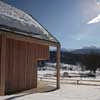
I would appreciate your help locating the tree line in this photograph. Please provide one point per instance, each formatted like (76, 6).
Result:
(91, 61)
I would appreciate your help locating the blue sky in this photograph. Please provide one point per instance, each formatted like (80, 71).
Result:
(71, 21)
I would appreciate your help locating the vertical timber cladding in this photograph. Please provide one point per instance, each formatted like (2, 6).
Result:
(21, 64)
(0, 61)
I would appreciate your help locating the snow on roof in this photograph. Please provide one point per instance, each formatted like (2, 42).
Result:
(17, 20)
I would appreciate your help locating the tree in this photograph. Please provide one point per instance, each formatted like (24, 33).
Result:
(91, 61)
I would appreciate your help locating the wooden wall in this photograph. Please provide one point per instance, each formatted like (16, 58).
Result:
(21, 64)
(0, 61)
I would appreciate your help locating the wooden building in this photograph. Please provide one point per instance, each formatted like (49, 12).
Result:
(23, 41)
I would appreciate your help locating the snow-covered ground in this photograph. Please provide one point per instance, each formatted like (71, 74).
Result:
(49, 75)
(66, 92)
(52, 73)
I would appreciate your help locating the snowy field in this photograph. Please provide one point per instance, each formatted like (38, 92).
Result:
(52, 73)
(49, 75)
(66, 92)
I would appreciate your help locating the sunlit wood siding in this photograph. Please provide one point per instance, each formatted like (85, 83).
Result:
(21, 64)
(0, 61)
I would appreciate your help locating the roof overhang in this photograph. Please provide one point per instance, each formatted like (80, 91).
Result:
(27, 38)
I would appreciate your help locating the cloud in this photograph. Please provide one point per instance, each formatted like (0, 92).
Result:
(98, 2)
(94, 20)
(79, 37)
(96, 11)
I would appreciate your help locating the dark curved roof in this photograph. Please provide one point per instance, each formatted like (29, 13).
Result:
(13, 19)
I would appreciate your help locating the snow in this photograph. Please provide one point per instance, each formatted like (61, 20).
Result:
(75, 72)
(71, 73)
(66, 92)
(50, 76)
(18, 19)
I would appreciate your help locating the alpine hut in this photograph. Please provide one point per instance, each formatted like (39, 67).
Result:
(23, 42)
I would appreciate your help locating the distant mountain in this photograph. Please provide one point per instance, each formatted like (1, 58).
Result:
(86, 50)
(73, 56)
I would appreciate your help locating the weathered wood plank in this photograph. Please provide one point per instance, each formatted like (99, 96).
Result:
(3, 64)
(58, 66)
(21, 63)
(31, 39)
